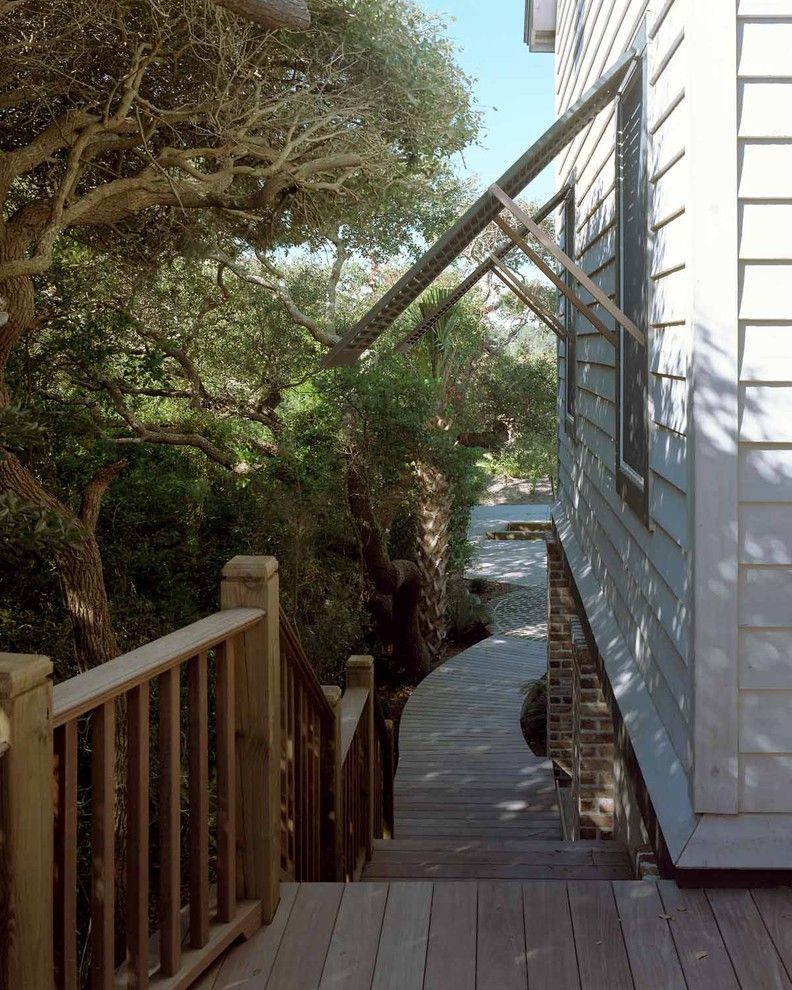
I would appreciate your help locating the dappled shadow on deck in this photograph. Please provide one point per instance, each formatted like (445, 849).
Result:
(464, 768)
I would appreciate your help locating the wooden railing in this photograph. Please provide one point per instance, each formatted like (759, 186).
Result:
(89, 706)
(191, 775)
(307, 727)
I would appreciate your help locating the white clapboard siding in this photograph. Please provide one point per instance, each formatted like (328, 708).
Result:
(670, 397)
(764, 48)
(764, 290)
(669, 194)
(763, 8)
(669, 300)
(765, 782)
(766, 353)
(766, 474)
(766, 413)
(766, 170)
(669, 246)
(669, 458)
(766, 659)
(765, 594)
(765, 109)
(765, 725)
(766, 231)
(766, 534)
(644, 572)
(669, 350)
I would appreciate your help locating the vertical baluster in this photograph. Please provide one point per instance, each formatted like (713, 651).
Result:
(137, 865)
(292, 780)
(304, 757)
(315, 814)
(226, 782)
(198, 763)
(102, 846)
(170, 821)
(65, 895)
(284, 764)
(299, 818)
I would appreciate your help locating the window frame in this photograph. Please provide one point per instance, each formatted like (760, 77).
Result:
(633, 489)
(569, 207)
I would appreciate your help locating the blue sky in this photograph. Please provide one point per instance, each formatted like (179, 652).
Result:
(514, 88)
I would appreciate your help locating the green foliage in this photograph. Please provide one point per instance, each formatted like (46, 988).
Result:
(206, 378)
(27, 529)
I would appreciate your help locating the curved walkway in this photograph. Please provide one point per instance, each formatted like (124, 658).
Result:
(471, 799)
(464, 767)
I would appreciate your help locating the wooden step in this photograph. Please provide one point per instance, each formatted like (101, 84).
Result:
(493, 858)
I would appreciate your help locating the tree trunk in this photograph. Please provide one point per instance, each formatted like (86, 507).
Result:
(80, 568)
(433, 513)
(271, 13)
(398, 580)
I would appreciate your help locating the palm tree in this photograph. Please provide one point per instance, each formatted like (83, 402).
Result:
(433, 507)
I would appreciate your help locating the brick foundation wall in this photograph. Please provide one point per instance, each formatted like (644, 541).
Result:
(560, 613)
(592, 744)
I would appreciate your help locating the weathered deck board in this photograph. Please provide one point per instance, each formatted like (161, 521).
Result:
(703, 955)
(353, 950)
(451, 954)
(747, 941)
(401, 959)
(491, 934)
(551, 956)
(500, 954)
(644, 923)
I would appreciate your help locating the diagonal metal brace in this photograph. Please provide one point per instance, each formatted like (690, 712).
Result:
(557, 281)
(574, 270)
(518, 287)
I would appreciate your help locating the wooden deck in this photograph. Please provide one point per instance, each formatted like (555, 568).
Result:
(540, 935)
(472, 801)
(479, 892)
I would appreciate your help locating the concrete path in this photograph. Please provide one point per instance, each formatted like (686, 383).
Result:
(518, 562)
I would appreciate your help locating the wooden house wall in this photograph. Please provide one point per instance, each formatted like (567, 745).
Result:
(644, 573)
(764, 121)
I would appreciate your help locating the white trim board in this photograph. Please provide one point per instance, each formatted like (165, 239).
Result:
(713, 427)
(739, 842)
(664, 776)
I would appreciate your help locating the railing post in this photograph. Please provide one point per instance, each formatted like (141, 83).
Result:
(26, 822)
(252, 582)
(332, 865)
(360, 673)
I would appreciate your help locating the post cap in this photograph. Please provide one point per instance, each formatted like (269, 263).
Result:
(332, 693)
(244, 568)
(360, 663)
(19, 672)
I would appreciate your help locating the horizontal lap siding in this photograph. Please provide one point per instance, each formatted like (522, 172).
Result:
(643, 574)
(765, 424)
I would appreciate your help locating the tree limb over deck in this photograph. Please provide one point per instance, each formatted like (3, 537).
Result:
(271, 13)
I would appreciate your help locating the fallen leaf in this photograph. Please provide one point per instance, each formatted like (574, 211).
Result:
(701, 955)
(681, 909)
(666, 917)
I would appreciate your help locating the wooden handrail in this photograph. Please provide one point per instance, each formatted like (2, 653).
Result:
(353, 705)
(295, 654)
(81, 694)
(296, 781)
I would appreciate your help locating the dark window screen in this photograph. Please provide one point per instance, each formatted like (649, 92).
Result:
(633, 213)
(568, 246)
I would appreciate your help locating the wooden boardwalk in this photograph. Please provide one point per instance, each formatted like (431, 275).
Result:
(538, 935)
(472, 801)
(478, 891)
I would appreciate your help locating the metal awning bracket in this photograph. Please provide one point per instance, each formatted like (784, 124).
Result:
(574, 270)
(557, 281)
(518, 287)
